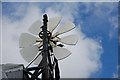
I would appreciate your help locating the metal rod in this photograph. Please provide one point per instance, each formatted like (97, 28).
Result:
(45, 74)
(44, 62)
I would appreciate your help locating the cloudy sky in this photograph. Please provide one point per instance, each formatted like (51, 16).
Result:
(96, 53)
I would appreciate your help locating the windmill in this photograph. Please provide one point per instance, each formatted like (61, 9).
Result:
(44, 48)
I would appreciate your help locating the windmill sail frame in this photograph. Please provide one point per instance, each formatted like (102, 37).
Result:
(44, 48)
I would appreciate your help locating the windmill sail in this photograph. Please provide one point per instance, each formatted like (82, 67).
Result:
(53, 23)
(35, 27)
(31, 44)
(26, 40)
(61, 53)
(65, 28)
(69, 40)
(29, 53)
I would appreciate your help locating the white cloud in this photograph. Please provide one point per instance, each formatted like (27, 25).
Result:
(115, 74)
(11, 32)
(105, 12)
(85, 58)
(114, 21)
(67, 11)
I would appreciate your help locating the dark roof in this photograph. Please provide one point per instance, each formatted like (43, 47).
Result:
(11, 70)
(10, 66)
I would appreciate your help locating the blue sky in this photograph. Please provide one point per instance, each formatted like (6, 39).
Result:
(98, 21)
(99, 26)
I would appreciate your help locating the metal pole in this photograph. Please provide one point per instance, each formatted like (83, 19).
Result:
(44, 62)
(45, 74)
